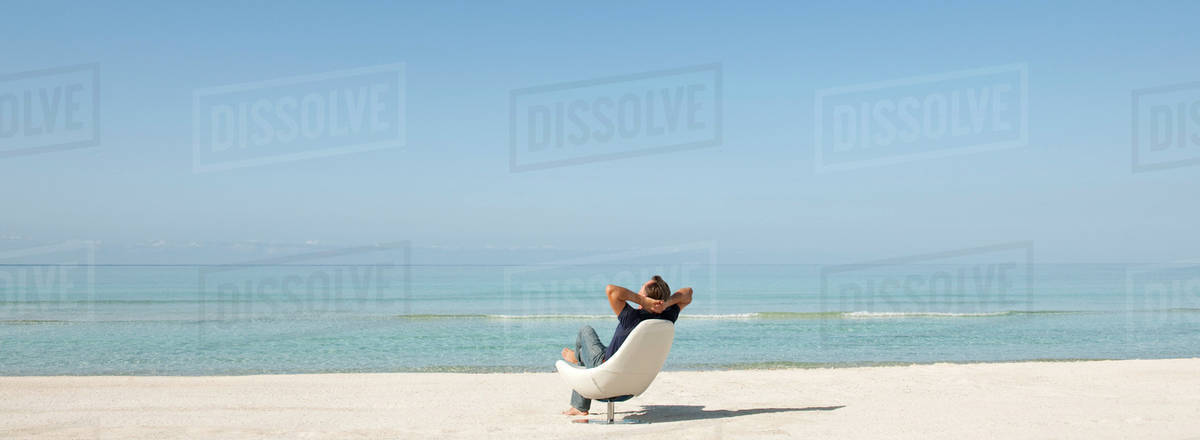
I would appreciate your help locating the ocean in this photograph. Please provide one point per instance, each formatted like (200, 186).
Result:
(295, 318)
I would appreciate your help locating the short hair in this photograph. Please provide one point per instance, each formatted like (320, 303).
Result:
(658, 289)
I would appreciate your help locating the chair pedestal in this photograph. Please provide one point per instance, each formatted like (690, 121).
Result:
(610, 420)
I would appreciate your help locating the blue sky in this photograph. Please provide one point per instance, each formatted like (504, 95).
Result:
(756, 194)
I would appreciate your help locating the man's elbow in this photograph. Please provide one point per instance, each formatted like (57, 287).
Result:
(610, 290)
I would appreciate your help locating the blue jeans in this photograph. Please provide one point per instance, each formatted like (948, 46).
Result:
(589, 351)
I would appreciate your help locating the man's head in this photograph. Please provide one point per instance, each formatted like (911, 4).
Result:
(656, 288)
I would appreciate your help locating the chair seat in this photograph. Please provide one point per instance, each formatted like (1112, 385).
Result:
(630, 370)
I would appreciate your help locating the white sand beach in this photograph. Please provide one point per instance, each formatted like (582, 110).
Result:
(1101, 399)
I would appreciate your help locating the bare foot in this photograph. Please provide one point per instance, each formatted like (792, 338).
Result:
(574, 412)
(569, 356)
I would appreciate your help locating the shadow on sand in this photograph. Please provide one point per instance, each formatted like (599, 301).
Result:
(678, 413)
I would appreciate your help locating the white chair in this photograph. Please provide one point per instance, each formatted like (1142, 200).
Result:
(630, 370)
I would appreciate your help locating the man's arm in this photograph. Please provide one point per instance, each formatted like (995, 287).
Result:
(617, 296)
(682, 297)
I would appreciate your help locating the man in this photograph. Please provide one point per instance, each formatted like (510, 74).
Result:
(654, 301)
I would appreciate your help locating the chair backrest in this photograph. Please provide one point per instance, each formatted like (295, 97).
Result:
(634, 366)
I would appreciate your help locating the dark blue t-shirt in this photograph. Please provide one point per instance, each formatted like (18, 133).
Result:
(630, 318)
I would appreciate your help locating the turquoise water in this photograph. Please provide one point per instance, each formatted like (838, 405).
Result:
(207, 320)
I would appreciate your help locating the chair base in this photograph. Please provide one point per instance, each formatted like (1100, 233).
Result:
(607, 422)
